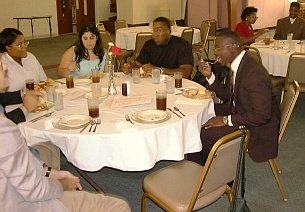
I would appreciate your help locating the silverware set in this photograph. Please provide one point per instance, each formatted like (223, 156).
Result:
(174, 112)
(92, 123)
(128, 119)
(41, 117)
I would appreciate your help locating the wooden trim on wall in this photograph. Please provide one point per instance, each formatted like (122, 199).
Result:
(232, 5)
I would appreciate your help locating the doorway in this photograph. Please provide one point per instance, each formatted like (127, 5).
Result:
(74, 13)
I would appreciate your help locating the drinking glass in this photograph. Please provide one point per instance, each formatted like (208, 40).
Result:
(58, 99)
(155, 75)
(178, 79)
(93, 107)
(170, 84)
(69, 81)
(161, 98)
(50, 89)
(96, 89)
(136, 76)
(29, 84)
(95, 75)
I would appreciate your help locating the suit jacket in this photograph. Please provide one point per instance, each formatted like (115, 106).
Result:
(255, 108)
(11, 98)
(283, 27)
(23, 186)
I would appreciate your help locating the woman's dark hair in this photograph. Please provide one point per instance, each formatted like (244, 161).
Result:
(80, 51)
(247, 11)
(163, 20)
(7, 37)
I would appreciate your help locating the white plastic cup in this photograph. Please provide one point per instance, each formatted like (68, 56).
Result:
(170, 84)
(58, 98)
(136, 76)
(155, 75)
(50, 89)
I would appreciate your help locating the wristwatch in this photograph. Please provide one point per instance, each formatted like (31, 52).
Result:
(225, 120)
(161, 70)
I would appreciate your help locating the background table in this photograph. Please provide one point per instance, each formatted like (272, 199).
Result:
(128, 151)
(31, 18)
(276, 61)
(126, 37)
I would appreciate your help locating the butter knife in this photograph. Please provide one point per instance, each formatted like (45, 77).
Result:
(41, 117)
(174, 112)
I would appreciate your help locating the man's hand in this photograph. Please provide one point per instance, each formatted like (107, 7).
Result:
(205, 69)
(126, 68)
(214, 122)
(147, 68)
(30, 99)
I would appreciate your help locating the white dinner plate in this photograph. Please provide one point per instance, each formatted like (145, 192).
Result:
(74, 120)
(152, 115)
(82, 81)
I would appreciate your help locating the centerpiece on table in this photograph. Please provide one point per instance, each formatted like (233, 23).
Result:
(113, 51)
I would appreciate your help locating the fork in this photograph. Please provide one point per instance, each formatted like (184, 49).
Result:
(98, 121)
(128, 119)
(92, 123)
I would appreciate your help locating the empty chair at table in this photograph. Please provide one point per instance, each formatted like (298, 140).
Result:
(188, 34)
(120, 23)
(141, 39)
(199, 48)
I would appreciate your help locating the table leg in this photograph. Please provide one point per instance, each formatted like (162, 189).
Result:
(32, 27)
(18, 23)
(50, 26)
(90, 181)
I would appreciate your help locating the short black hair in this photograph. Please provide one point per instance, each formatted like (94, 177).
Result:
(295, 4)
(233, 36)
(247, 11)
(163, 20)
(7, 37)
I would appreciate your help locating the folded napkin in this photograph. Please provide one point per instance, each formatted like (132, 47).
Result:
(126, 126)
(187, 101)
(48, 124)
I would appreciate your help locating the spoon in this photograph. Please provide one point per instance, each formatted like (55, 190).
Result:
(98, 121)
(177, 109)
(92, 123)
(41, 117)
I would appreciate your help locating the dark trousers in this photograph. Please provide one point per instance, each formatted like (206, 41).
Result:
(210, 136)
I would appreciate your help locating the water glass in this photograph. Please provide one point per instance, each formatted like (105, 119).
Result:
(170, 84)
(289, 37)
(58, 99)
(155, 75)
(302, 46)
(50, 89)
(93, 107)
(136, 75)
(178, 79)
(291, 46)
(161, 99)
(276, 45)
(96, 89)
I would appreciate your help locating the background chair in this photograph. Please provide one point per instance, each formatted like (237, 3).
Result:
(275, 80)
(100, 26)
(120, 23)
(295, 71)
(172, 22)
(199, 48)
(106, 38)
(187, 34)
(286, 108)
(187, 186)
(212, 33)
(141, 38)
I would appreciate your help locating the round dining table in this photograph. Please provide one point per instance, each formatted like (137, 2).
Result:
(276, 61)
(126, 37)
(110, 146)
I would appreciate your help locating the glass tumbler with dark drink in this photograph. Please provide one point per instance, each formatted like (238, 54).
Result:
(178, 79)
(93, 107)
(29, 84)
(161, 99)
(95, 75)
(69, 81)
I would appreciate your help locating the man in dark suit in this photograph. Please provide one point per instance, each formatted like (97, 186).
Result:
(291, 24)
(247, 102)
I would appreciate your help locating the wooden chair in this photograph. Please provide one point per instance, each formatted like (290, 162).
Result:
(187, 34)
(141, 38)
(276, 80)
(187, 186)
(212, 33)
(120, 23)
(106, 38)
(295, 71)
(199, 48)
(286, 108)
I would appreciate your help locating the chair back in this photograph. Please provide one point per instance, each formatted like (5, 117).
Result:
(120, 23)
(220, 167)
(287, 105)
(187, 34)
(141, 38)
(213, 28)
(106, 38)
(295, 70)
(204, 32)
(100, 26)
(254, 53)
(172, 22)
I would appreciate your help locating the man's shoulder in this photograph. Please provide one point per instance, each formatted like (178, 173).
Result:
(179, 41)
(281, 20)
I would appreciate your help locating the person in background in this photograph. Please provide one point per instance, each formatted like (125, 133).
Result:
(245, 29)
(291, 24)
(27, 184)
(87, 53)
(248, 102)
(170, 53)
(21, 64)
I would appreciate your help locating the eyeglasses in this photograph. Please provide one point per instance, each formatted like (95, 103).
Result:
(221, 47)
(21, 45)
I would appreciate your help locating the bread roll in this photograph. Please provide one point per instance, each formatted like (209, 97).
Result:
(193, 92)
(202, 91)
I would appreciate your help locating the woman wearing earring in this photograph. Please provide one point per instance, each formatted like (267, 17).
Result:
(87, 53)
(245, 29)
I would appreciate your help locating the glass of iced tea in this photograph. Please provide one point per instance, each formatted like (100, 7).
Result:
(29, 84)
(178, 79)
(95, 75)
(93, 106)
(161, 98)
(69, 81)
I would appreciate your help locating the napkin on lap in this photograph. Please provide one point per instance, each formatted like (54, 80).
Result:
(187, 101)
(126, 126)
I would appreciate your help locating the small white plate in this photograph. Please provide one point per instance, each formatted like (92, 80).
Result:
(74, 120)
(152, 115)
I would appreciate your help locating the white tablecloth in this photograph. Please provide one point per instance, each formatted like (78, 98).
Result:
(126, 37)
(132, 151)
(276, 61)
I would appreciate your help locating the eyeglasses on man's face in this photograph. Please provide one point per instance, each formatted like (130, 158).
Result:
(21, 45)
(221, 47)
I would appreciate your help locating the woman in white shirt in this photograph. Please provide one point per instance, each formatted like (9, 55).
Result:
(21, 64)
